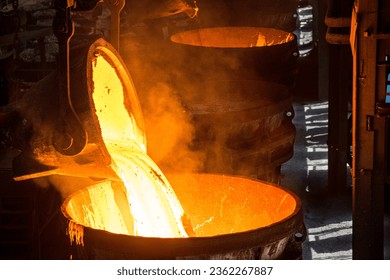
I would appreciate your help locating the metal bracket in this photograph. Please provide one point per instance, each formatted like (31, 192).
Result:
(376, 36)
(382, 110)
(70, 137)
(115, 7)
(370, 123)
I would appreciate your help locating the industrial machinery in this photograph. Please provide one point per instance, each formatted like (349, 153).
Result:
(57, 163)
(358, 33)
(81, 133)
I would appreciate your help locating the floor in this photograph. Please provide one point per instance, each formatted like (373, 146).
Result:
(328, 218)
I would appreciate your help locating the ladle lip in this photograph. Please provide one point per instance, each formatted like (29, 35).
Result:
(203, 245)
(131, 100)
(200, 37)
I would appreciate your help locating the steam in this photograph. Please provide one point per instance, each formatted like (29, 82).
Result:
(177, 90)
(169, 84)
(169, 131)
(203, 100)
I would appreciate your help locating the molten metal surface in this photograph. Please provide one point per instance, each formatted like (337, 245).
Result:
(153, 204)
(233, 37)
(105, 207)
(215, 204)
(221, 204)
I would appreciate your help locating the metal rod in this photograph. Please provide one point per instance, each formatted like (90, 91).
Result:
(115, 7)
(70, 137)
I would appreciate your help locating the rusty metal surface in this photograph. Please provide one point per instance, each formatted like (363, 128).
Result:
(338, 20)
(272, 251)
(259, 136)
(242, 82)
(368, 138)
(338, 13)
(251, 245)
(231, 53)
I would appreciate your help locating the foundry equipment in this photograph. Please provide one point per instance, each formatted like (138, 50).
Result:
(96, 130)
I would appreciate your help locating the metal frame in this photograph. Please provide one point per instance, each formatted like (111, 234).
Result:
(369, 133)
(70, 138)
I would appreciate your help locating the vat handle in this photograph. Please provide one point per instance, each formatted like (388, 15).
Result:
(70, 137)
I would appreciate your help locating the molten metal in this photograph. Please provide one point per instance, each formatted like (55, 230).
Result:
(153, 204)
(233, 218)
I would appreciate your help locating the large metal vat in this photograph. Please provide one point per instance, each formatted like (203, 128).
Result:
(235, 53)
(232, 217)
(244, 127)
(236, 84)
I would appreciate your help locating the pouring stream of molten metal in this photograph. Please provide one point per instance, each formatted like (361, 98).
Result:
(153, 204)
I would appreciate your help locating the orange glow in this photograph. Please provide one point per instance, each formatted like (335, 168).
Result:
(216, 204)
(231, 204)
(233, 37)
(201, 205)
(154, 207)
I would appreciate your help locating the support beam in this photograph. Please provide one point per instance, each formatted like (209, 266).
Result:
(340, 71)
(368, 139)
(338, 20)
